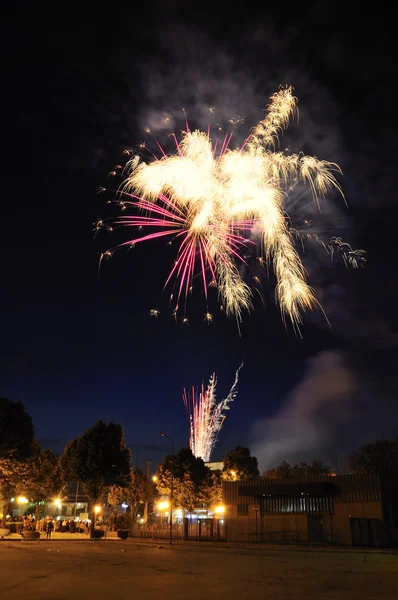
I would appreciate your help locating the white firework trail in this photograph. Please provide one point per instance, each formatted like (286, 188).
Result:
(206, 415)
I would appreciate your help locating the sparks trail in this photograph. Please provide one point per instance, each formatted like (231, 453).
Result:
(206, 415)
(216, 204)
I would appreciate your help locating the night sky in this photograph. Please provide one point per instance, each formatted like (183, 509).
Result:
(76, 345)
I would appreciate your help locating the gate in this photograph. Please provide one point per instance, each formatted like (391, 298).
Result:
(315, 532)
(205, 530)
(363, 532)
(199, 530)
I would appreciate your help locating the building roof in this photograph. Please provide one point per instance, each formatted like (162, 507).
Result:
(320, 488)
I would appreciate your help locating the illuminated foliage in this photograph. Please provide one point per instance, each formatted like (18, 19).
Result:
(192, 480)
(239, 464)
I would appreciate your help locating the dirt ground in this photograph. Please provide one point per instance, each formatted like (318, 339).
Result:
(119, 570)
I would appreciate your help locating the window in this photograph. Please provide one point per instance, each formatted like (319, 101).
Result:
(305, 503)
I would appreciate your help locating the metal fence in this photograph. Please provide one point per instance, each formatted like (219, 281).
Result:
(252, 531)
(200, 530)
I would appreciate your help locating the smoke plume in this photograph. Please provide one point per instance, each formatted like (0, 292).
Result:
(307, 420)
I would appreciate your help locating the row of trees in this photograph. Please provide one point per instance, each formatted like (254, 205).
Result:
(100, 460)
(287, 471)
(379, 457)
(194, 484)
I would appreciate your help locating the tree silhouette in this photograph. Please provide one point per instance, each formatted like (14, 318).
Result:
(239, 464)
(99, 459)
(16, 446)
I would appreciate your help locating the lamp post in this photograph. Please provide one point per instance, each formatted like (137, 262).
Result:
(256, 511)
(162, 507)
(22, 500)
(172, 485)
(97, 510)
(77, 493)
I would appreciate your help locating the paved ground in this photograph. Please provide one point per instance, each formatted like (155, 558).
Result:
(119, 570)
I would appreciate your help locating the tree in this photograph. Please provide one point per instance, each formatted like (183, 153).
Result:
(215, 495)
(16, 430)
(140, 490)
(16, 445)
(239, 464)
(116, 495)
(302, 469)
(99, 459)
(379, 457)
(12, 473)
(284, 471)
(187, 494)
(137, 490)
(43, 479)
(192, 480)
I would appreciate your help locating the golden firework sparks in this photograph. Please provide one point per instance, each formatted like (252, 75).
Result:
(212, 202)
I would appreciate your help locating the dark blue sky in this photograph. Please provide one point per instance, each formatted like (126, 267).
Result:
(76, 347)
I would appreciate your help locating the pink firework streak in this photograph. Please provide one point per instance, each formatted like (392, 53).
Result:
(206, 416)
(213, 202)
(202, 252)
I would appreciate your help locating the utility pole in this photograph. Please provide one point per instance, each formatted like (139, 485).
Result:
(172, 485)
(148, 471)
(77, 493)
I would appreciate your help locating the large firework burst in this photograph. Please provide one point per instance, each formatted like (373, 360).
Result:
(217, 202)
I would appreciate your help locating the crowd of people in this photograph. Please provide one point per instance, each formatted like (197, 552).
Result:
(63, 526)
(48, 525)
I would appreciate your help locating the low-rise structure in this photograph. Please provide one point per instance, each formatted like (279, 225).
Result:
(342, 510)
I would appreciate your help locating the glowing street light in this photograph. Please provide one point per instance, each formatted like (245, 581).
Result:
(155, 478)
(57, 502)
(22, 500)
(162, 507)
(219, 510)
(97, 509)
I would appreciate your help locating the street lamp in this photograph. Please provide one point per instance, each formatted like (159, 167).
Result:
(97, 510)
(22, 500)
(163, 506)
(172, 484)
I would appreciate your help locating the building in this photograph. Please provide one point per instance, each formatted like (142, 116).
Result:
(341, 510)
(215, 466)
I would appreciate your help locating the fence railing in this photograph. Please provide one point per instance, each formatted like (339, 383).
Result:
(201, 530)
(270, 537)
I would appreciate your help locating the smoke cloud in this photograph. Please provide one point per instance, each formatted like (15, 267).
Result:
(200, 72)
(309, 417)
(347, 396)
